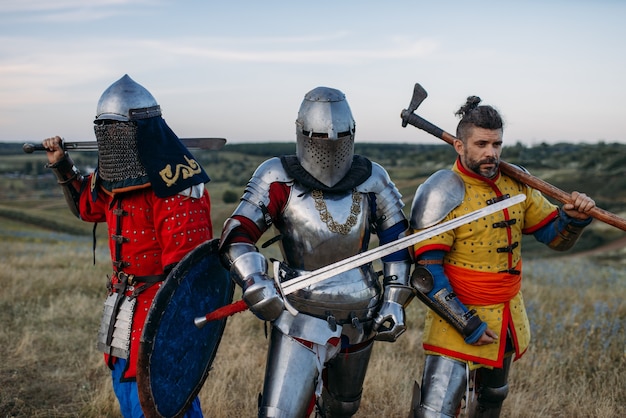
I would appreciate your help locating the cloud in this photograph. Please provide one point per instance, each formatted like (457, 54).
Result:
(28, 6)
(67, 11)
(196, 48)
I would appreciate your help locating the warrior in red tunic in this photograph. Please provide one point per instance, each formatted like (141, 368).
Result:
(150, 191)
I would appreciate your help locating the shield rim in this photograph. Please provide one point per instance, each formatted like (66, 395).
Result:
(157, 309)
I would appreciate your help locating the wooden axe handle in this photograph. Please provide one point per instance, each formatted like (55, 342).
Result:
(517, 173)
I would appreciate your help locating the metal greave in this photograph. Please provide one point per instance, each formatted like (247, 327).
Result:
(343, 383)
(491, 388)
(443, 385)
(290, 378)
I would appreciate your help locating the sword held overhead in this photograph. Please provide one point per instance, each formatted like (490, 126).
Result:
(191, 143)
(358, 260)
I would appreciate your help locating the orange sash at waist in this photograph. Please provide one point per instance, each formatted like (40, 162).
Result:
(479, 288)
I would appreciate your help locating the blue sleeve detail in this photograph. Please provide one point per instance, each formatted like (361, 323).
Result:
(548, 232)
(390, 235)
(440, 280)
(475, 336)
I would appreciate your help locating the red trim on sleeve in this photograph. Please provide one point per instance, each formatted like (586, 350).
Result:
(432, 247)
(541, 224)
(249, 232)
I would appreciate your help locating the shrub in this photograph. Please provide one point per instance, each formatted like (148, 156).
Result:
(230, 196)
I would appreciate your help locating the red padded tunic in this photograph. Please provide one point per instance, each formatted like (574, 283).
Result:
(157, 232)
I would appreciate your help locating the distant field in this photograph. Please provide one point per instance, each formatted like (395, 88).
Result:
(599, 170)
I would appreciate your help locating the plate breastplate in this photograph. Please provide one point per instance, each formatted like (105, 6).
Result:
(308, 244)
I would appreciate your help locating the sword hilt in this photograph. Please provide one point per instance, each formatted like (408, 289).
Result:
(221, 313)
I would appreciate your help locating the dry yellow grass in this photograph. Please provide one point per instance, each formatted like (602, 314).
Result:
(52, 297)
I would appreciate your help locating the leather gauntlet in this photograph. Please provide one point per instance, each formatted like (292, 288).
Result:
(69, 177)
(445, 303)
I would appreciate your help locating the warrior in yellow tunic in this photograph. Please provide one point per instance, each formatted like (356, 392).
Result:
(483, 264)
(471, 276)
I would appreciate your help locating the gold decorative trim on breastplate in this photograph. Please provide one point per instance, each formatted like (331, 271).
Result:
(327, 218)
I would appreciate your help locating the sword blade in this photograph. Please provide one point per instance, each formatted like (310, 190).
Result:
(349, 263)
(191, 143)
(358, 260)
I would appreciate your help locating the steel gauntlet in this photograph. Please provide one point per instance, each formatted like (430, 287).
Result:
(390, 321)
(249, 271)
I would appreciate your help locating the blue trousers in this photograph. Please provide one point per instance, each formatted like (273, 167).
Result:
(126, 393)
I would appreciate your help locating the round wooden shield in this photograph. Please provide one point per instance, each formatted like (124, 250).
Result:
(175, 356)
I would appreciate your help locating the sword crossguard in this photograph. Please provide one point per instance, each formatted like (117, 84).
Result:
(288, 306)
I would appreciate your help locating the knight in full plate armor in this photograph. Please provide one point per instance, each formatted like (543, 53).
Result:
(149, 190)
(325, 202)
(470, 277)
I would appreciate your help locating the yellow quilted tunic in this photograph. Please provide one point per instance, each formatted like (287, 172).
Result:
(483, 264)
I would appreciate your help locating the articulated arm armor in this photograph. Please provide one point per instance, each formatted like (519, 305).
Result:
(397, 294)
(390, 224)
(433, 200)
(567, 232)
(440, 298)
(70, 179)
(248, 268)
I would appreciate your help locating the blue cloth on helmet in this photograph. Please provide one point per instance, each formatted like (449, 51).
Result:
(169, 164)
(128, 398)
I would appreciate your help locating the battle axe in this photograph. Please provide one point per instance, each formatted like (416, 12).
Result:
(410, 118)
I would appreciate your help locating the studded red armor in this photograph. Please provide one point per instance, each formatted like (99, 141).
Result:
(147, 236)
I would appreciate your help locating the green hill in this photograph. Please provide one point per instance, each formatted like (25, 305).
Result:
(29, 193)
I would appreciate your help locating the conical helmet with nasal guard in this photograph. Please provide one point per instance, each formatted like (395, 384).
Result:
(126, 100)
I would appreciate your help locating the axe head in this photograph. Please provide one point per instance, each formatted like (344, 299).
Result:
(419, 94)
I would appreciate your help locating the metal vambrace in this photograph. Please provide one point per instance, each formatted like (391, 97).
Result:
(446, 304)
(249, 271)
(397, 294)
(70, 179)
(567, 237)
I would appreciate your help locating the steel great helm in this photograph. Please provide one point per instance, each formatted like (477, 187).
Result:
(122, 103)
(325, 135)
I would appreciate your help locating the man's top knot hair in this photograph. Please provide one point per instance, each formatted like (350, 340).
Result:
(473, 115)
(471, 104)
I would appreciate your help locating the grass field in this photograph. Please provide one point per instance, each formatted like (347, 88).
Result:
(52, 297)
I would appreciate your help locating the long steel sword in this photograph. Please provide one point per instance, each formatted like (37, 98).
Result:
(331, 270)
(191, 143)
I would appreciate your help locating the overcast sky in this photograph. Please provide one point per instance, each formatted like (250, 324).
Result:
(239, 69)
